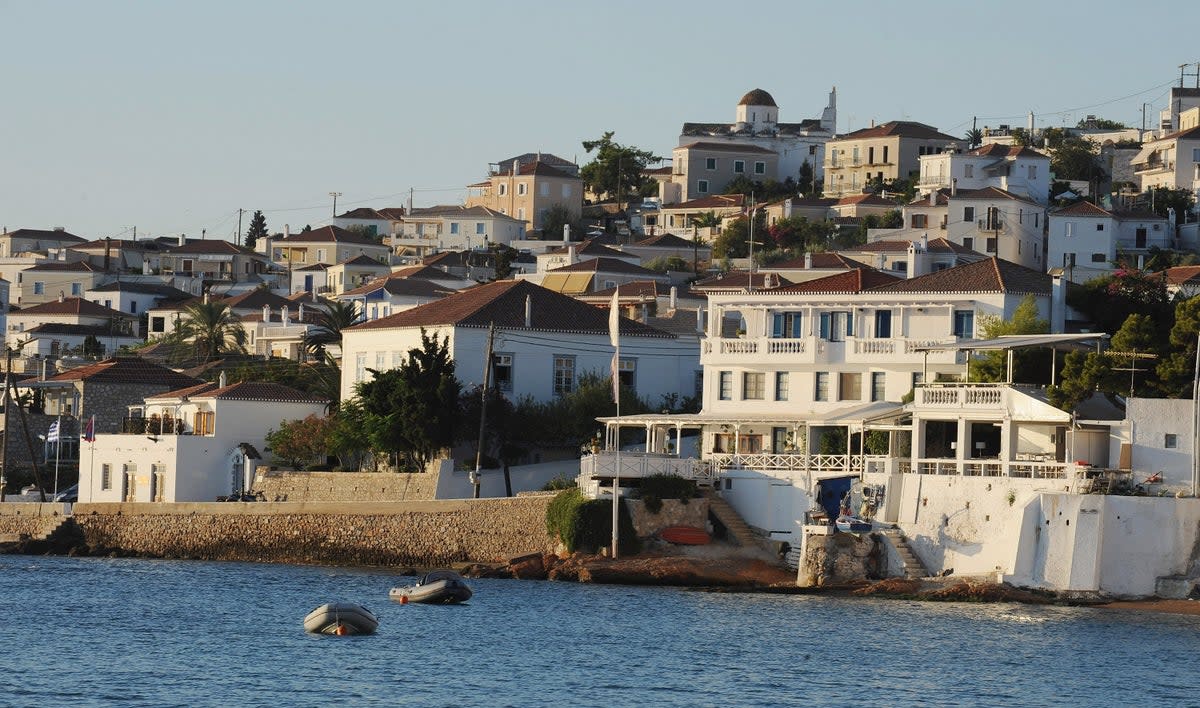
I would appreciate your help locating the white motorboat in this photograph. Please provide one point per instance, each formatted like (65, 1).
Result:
(341, 618)
(438, 587)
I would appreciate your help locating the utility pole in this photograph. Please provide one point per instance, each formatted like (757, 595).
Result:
(239, 238)
(750, 279)
(12, 391)
(487, 380)
(335, 195)
(4, 440)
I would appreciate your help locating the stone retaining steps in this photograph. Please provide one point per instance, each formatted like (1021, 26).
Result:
(913, 567)
(732, 521)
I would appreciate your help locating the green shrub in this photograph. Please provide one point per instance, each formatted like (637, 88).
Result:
(559, 483)
(586, 524)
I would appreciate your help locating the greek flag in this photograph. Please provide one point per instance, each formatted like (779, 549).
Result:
(52, 434)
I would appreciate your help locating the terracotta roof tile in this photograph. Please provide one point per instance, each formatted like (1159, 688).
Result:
(757, 97)
(126, 370)
(62, 266)
(211, 246)
(604, 265)
(727, 147)
(739, 280)
(824, 260)
(258, 391)
(667, 240)
(902, 128)
(72, 306)
(852, 281)
(327, 234)
(503, 303)
(715, 201)
(992, 275)
(45, 234)
(991, 193)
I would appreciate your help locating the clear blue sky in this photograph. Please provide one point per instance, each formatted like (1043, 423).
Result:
(172, 115)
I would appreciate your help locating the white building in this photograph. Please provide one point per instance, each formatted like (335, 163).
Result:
(1020, 170)
(1087, 240)
(998, 223)
(545, 342)
(453, 227)
(189, 445)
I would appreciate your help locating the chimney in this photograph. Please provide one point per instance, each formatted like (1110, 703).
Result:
(566, 233)
(221, 381)
(62, 297)
(700, 320)
(808, 260)
(570, 255)
(107, 253)
(645, 312)
(954, 186)
(300, 313)
(266, 313)
(287, 230)
(516, 167)
(205, 298)
(1058, 302)
(528, 311)
(674, 297)
(933, 198)
(182, 239)
(283, 315)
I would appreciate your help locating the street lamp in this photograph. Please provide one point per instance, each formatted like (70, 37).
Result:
(335, 195)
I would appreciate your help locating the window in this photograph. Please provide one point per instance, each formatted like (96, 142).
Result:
(752, 386)
(1099, 258)
(1100, 227)
(878, 385)
(969, 242)
(1170, 441)
(725, 383)
(521, 213)
(503, 190)
(397, 356)
(320, 255)
(76, 289)
(812, 150)
(158, 324)
(380, 361)
(885, 152)
(702, 186)
(133, 306)
(836, 326)
(968, 214)
(128, 475)
(870, 156)
(564, 375)
(919, 221)
(850, 386)
(627, 373)
(202, 423)
(918, 378)
(39, 288)
(781, 385)
(566, 191)
(544, 189)
(883, 324)
(522, 189)
(992, 243)
(739, 166)
(479, 228)
(710, 163)
(453, 227)
(821, 389)
(1032, 171)
(787, 325)
(698, 383)
(968, 171)
(760, 168)
(360, 367)
(964, 324)
(502, 371)
(106, 476)
(1070, 228)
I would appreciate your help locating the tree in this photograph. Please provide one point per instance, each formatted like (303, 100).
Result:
(1176, 370)
(1090, 123)
(734, 240)
(504, 256)
(804, 179)
(212, 329)
(413, 410)
(1109, 300)
(1076, 158)
(1028, 366)
(555, 218)
(974, 138)
(797, 233)
(257, 230)
(92, 347)
(616, 168)
(370, 233)
(1164, 199)
(329, 320)
(300, 442)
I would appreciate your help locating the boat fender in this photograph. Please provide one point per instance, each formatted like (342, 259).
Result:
(342, 630)
(404, 599)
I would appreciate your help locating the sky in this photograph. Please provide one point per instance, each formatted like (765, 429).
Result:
(170, 116)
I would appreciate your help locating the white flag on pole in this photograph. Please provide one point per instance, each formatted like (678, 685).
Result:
(52, 434)
(614, 334)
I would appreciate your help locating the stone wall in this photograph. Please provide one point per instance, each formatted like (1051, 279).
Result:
(29, 518)
(289, 486)
(673, 513)
(428, 533)
(110, 402)
(838, 558)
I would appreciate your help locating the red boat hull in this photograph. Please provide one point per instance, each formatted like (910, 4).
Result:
(685, 535)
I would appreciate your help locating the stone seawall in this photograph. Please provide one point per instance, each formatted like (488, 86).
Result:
(32, 519)
(425, 533)
(289, 486)
(673, 513)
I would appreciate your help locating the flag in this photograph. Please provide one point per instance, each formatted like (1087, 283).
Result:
(89, 431)
(52, 434)
(614, 319)
(616, 380)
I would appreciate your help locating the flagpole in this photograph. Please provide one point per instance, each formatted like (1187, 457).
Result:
(614, 334)
(92, 462)
(57, 451)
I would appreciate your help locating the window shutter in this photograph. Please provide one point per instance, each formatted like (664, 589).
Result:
(824, 325)
(777, 325)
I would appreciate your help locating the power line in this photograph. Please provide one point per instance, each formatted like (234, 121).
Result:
(1067, 110)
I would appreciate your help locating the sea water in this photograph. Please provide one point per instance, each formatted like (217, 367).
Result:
(106, 632)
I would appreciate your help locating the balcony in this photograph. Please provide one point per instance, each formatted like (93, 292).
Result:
(814, 350)
(1154, 166)
(603, 465)
(960, 396)
(153, 425)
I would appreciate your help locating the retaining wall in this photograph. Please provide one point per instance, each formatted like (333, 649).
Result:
(30, 518)
(424, 533)
(289, 486)
(673, 513)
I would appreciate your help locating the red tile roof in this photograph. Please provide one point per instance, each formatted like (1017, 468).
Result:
(852, 281)
(1181, 275)
(727, 147)
(72, 306)
(503, 303)
(399, 285)
(715, 201)
(866, 200)
(668, 240)
(588, 247)
(992, 275)
(757, 97)
(1082, 208)
(327, 234)
(902, 128)
(739, 280)
(998, 150)
(991, 193)
(44, 234)
(604, 265)
(258, 391)
(62, 266)
(255, 299)
(127, 370)
(213, 246)
(825, 260)
(364, 260)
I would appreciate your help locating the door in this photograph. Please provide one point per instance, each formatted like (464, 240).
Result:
(1139, 238)
(308, 283)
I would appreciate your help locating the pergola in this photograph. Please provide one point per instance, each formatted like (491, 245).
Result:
(1076, 342)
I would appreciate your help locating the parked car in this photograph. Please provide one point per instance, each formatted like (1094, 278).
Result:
(69, 495)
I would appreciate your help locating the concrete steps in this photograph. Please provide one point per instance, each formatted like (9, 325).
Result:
(913, 567)
(731, 520)
(792, 559)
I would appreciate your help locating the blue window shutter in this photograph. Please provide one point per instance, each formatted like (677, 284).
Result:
(777, 325)
(797, 329)
(850, 324)
(824, 325)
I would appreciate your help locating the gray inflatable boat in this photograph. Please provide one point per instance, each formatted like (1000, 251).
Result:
(439, 587)
(341, 618)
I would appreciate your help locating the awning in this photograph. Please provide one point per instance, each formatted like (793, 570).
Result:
(568, 283)
(839, 416)
(1143, 155)
(1021, 341)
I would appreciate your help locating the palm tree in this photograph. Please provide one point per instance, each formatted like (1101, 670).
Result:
(213, 329)
(974, 137)
(330, 318)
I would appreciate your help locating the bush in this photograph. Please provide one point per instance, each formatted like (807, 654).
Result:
(559, 483)
(657, 487)
(586, 524)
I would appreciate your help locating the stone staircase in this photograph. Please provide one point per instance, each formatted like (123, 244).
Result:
(731, 520)
(913, 567)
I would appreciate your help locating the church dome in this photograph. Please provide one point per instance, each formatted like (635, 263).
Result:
(757, 97)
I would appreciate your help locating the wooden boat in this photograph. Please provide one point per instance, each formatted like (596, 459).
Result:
(685, 535)
(438, 587)
(852, 524)
(341, 619)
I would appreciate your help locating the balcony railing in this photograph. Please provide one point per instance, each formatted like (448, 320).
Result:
(153, 425)
(1000, 468)
(963, 396)
(641, 464)
(786, 461)
(1154, 166)
(808, 350)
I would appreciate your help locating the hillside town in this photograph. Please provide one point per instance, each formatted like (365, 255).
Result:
(982, 347)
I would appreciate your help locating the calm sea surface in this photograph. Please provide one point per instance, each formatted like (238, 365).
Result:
(84, 632)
